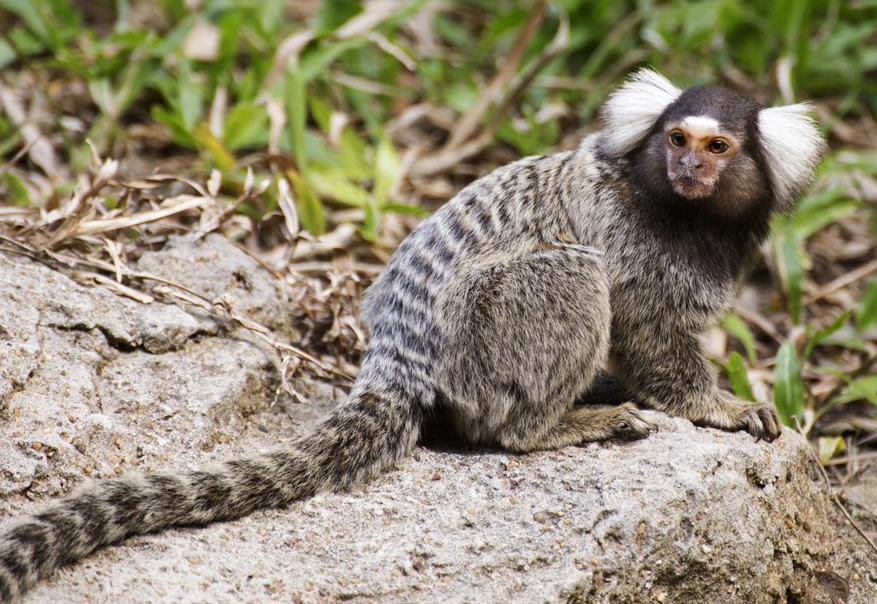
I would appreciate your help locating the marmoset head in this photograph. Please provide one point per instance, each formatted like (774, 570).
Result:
(704, 135)
(711, 147)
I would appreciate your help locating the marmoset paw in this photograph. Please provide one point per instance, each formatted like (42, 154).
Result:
(633, 423)
(759, 419)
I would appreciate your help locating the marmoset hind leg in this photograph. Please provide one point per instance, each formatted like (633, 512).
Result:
(524, 337)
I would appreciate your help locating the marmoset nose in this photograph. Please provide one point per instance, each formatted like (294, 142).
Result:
(692, 160)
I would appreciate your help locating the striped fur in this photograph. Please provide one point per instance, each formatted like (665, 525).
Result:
(498, 310)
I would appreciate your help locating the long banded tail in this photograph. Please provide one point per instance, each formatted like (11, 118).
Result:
(373, 430)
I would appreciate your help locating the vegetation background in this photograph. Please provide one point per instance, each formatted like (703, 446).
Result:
(316, 134)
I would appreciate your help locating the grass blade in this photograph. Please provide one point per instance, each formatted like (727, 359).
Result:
(296, 113)
(866, 313)
(736, 369)
(735, 326)
(788, 386)
(822, 334)
(310, 208)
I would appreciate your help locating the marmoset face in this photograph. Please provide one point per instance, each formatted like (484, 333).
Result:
(705, 150)
(709, 150)
(697, 150)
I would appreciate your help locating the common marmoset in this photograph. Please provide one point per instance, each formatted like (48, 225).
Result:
(501, 307)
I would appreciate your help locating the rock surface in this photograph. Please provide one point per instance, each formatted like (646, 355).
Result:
(93, 384)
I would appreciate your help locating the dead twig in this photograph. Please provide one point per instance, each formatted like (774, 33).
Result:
(39, 149)
(757, 319)
(187, 202)
(264, 334)
(21, 153)
(859, 371)
(222, 308)
(124, 290)
(832, 495)
(468, 123)
(452, 154)
(840, 461)
(843, 281)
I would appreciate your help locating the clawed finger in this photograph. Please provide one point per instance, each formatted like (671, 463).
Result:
(771, 422)
(762, 422)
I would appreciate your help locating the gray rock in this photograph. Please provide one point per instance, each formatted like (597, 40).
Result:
(214, 266)
(95, 384)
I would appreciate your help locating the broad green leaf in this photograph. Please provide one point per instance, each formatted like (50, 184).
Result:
(174, 122)
(170, 41)
(788, 257)
(404, 208)
(230, 41)
(296, 113)
(864, 388)
(8, 143)
(735, 326)
(788, 387)
(310, 210)
(246, 126)
(451, 31)
(822, 334)
(866, 313)
(828, 447)
(820, 200)
(272, 15)
(334, 13)
(115, 95)
(736, 369)
(18, 194)
(101, 92)
(25, 42)
(219, 155)
(847, 337)
(818, 210)
(28, 11)
(808, 223)
(50, 20)
(7, 55)
(321, 111)
(190, 101)
(315, 62)
(318, 152)
(332, 184)
(134, 77)
(353, 153)
(386, 171)
(460, 96)
(372, 221)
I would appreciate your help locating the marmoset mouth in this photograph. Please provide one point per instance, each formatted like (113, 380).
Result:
(691, 188)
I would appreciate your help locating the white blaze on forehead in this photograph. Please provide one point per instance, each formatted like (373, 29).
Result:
(700, 126)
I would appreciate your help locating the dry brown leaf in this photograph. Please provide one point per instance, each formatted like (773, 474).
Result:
(183, 203)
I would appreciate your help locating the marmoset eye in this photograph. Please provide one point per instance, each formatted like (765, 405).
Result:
(718, 147)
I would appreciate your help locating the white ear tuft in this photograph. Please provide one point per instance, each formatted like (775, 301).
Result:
(633, 109)
(793, 146)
